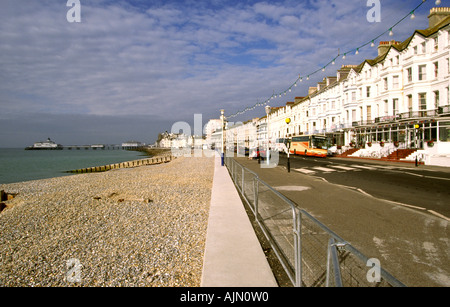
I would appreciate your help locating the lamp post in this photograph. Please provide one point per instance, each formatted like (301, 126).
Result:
(416, 128)
(288, 121)
(222, 146)
(267, 130)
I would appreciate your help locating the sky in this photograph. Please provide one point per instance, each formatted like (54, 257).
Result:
(131, 69)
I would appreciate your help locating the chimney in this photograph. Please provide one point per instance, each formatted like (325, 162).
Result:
(384, 46)
(437, 14)
(312, 90)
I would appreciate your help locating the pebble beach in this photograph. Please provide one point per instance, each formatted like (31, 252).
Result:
(144, 226)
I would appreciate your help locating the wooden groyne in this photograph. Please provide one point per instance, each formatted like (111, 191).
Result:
(5, 196)
(128, 164)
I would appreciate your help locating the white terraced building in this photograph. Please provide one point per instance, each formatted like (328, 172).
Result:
(399, 100)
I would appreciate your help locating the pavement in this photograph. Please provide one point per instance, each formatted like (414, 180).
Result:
(233, 255)
(402, 163)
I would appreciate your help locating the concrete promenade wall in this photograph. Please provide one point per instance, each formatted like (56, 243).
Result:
(233, 254)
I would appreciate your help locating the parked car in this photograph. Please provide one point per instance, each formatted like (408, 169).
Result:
(256, 153)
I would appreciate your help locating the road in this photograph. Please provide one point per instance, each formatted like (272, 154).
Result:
(423, 188)
(394, 212)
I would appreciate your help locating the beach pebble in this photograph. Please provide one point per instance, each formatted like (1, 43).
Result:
(144, 226)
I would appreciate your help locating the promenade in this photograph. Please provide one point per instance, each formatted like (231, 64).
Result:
(233, 255)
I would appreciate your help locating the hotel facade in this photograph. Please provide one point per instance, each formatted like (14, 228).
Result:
(399, 100)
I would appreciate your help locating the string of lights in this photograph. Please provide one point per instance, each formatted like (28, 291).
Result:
(356, 50)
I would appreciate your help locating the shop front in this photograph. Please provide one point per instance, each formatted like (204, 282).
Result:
(423, 134)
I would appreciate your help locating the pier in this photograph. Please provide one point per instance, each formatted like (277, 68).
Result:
(95, 147)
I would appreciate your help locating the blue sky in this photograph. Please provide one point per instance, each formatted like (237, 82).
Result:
(131, 69)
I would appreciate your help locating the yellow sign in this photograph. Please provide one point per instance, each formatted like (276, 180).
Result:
(288, 120)
(416, 126)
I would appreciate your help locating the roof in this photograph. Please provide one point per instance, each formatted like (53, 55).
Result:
(400, 46)
(345, 70)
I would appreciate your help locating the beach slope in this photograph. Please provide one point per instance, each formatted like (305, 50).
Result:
(144, 226)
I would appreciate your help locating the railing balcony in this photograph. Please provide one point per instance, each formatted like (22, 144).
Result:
(440, 111)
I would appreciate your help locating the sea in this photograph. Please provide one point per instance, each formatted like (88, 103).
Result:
(18, 164)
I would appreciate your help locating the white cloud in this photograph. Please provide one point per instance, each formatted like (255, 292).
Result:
(175, 57)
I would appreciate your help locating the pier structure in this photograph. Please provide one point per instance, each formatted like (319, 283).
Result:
(95, 147)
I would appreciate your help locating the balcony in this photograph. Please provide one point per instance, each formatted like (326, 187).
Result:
(440, 111)
(363, 123)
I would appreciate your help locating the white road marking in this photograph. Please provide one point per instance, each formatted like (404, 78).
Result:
(343, 167)
(364, 167)
(384, 167)
(292, 188)
(439, 215)
(324, 169)
(304, 171)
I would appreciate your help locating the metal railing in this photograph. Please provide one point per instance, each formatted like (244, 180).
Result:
(311, 254)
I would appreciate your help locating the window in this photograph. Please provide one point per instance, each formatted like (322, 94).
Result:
(424, 47)
(395, 106)
(448, 95)
(436, 99)
(369, 112)
(410, 103)
(415, 49)
(409, 73)
(386, 106)
(436, 43)
(423, 101)
(436, 69)
(444, 131)
(422, 72)
(396, 83)
(386, 86)
(368, 91)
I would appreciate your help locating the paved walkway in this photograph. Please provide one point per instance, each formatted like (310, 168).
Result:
(233, 254)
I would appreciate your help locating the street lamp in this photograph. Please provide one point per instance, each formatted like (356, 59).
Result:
(416, 128)
(222, 117)
(288, 145)
(267, 130)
